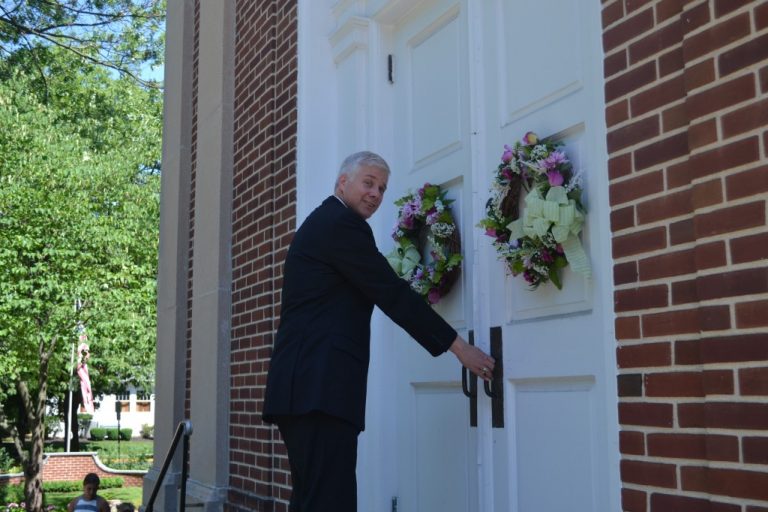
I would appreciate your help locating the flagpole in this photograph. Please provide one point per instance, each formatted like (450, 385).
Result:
(69, 402)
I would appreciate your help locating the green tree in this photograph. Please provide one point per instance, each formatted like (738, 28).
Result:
(119, 34)
(79, 210)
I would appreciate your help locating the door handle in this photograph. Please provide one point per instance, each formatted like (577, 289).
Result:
(488, 387)
(495, 388)
(466, 387)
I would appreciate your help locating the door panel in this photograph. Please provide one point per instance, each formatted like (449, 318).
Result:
(435, 446)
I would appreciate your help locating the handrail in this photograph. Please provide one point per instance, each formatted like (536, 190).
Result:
(183, 431)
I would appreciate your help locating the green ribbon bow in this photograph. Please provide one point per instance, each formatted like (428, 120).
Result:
(558, 213)
(404, 260)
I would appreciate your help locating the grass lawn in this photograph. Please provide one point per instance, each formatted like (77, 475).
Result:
(61, 499)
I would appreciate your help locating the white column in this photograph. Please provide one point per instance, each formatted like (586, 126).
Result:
(211, 286)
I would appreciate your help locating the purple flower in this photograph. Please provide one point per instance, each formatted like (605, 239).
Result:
(530, 138)
(546, 256)
(433, 296)
(507, 174)
(506, 157)
(432, 216)
(554, 159)
(555, 178)
(559, 249)
(529, 277)
(490, 232)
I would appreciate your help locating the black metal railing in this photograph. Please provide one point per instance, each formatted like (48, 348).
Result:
(183, 431)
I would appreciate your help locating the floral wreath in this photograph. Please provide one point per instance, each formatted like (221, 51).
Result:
(426, 215)
(545, 239)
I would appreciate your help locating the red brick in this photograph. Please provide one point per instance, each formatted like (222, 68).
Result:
(681, 232)
(667, 265)
(670, 322)
(640, 298)
(732, 284)
(722, 349)
(620, 166)
(723, 7)
(629, 28)
(627, 328)
(743, 56)
(695, 17)
(700, 74)
(715, 37)
(673, 384)
(624, 273)
(718, 382)
(645, 355)
(633, 500)
(664, 150)
(612, 13)
(630, 81)
(710, 255)
(671, 62)
(721, 96)
(747, 183)
(632, 443)
(674, 117)
(749, 248)
(708, 193)
(724, 415)
(615, 63)
(679, 503)
(622, 218)
(655, 42)
(684, 292)
(753, 381)
(659, 96)
(617, 113)
(667, 9)
(737, 483)
(632, 134)
(694, 446)
(761, 15)
(752, 314)
(714, 318)
(649, 473)
(748, 118)
(730, 219)
(630, 384)
(755, 450)
(702, 134)
(637, 243)
(667, 206)
(764, 76)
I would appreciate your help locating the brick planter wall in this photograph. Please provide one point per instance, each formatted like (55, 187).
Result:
(687, 113)
(264, 218)
(74, 466)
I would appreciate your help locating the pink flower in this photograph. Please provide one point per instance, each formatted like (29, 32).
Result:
(554, 159)
(507, 174)
(555, 178)
(546, 256)
(433, 296)
(490, 232)
(506, 157)
(530, 138)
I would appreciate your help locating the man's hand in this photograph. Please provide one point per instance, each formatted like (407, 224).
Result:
(477, 361)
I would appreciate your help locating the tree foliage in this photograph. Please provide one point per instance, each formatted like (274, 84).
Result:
(119, 34)
(79, 213)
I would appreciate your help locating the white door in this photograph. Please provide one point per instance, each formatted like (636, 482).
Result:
(557, 449)
(436, 448)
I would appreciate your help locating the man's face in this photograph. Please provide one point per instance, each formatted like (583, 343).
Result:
(364, 190)
(89, 491)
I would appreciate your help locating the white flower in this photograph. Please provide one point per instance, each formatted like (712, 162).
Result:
(443, 229)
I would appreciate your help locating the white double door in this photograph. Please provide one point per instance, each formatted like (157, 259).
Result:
(469, 76)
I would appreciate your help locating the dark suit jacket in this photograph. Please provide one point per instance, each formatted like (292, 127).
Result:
(334, 275)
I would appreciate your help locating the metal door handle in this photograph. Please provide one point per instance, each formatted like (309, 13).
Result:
(466, 388)
(487, 386)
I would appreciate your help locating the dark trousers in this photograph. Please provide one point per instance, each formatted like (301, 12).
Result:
(322, 452)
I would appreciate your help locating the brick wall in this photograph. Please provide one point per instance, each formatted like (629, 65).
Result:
(687, 114)
(74, 466)
(264, 219)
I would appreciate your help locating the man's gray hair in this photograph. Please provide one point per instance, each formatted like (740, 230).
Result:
(355, 161)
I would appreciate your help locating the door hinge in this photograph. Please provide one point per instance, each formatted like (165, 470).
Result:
(394, 503)
(390, 69)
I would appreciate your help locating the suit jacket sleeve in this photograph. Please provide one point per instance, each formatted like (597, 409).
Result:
(356, 257)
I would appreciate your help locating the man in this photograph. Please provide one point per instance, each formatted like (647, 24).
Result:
(316, 386)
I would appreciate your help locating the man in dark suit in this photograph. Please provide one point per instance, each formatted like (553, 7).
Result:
(316, 387)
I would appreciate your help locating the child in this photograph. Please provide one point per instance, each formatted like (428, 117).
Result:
(89, 501)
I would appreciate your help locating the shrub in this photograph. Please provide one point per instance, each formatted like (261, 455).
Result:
(52, 426)
(98, 434)
(147, 431)
(84, 422)
(125, 434)
(113, 434)
(6, 461)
